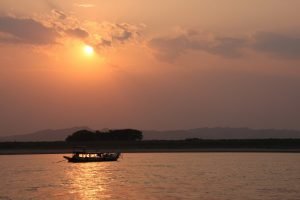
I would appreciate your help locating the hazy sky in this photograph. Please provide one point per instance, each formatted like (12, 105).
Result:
(168, 64)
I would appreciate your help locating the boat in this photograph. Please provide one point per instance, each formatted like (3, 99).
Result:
(80, 156)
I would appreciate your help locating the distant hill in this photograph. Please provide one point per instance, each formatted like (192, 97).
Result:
(203, 133)
(221, 133)
(44, 135)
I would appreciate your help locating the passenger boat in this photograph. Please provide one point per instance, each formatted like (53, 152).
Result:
(92, 156)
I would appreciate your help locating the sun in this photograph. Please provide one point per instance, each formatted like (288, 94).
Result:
(88, 50)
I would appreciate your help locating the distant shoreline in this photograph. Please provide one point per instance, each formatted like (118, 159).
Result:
(154, 146)
(209, 150)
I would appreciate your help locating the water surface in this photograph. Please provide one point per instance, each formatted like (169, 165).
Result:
(207, 176)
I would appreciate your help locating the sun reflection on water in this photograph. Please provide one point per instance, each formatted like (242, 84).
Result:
(89, 180)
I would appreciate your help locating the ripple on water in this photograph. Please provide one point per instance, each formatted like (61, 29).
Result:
(211, 176)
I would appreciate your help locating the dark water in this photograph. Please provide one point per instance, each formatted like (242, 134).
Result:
(207, 176)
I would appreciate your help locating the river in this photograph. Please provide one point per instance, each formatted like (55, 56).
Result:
(163, 176)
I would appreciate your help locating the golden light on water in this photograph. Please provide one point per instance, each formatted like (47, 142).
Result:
(88, 50)
(89, 181)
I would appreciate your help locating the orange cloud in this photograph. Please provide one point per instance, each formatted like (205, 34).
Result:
(169, 48)
(77, 32)
(27, 31)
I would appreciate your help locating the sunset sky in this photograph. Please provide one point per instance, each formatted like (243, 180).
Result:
(168, 64)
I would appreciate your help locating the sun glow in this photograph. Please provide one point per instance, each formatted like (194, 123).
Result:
(88, 50)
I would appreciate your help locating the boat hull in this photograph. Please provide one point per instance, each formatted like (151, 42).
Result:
(92, 159)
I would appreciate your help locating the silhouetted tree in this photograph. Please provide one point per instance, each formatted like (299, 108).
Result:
(111, 135)
(82, 135)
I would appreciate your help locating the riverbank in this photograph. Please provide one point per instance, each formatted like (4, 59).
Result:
(69, 151)
(153, 146)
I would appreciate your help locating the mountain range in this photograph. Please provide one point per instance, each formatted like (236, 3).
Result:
(203, 133)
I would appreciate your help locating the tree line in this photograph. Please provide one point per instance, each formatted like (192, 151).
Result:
(110, 135)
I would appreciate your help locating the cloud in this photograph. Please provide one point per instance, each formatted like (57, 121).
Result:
(77, 32)
(123, 32)
(52, 29)
(105, 43)
(84, 5)
(170, 48)
(114, 34)
(125, 35)
(27, 31)
(59, 14)
(277, 44)
(227, 46)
